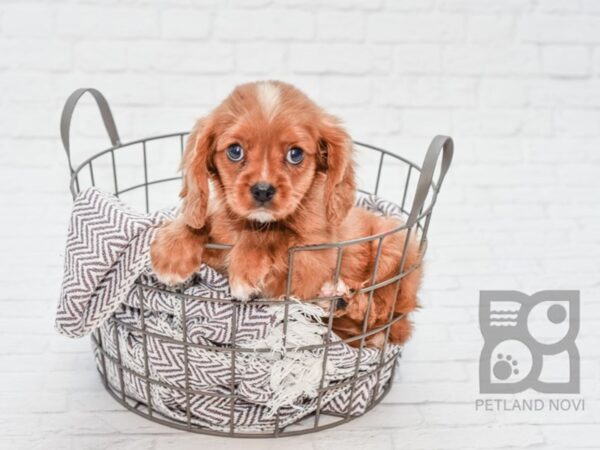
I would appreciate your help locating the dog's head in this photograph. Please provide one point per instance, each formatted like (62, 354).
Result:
(264, 147)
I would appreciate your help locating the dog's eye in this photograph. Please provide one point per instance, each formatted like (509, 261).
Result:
(235, 152)
(295, 155)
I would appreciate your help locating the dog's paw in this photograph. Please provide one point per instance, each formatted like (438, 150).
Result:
(169, 279)
(339, 292)
(330, 289)
(377, 340)
(173, 268)
(175, 254)
(242, 291)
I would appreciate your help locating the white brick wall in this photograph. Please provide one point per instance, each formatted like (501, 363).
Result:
(516, 82)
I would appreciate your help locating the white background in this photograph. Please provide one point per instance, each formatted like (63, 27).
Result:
(515, 82)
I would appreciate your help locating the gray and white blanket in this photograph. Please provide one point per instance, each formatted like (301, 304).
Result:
(109, 288)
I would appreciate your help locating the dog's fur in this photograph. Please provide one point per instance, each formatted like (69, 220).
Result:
(313, 204)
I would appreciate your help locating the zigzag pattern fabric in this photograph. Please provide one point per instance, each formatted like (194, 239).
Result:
(182, 366)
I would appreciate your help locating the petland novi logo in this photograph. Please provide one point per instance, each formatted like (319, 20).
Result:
(529, 343)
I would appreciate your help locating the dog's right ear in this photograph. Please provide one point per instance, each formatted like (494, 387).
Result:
(195, 168)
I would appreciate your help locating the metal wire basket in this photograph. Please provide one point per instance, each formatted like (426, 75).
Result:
(410, 184)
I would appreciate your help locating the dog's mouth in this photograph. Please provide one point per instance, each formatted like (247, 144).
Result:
(262, 215)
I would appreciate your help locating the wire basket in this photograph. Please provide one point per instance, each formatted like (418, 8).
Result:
(112, 169)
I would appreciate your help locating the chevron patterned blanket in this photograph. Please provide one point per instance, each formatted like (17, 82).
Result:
(108, 288)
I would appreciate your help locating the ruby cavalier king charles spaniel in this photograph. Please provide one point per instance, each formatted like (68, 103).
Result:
(268, 170)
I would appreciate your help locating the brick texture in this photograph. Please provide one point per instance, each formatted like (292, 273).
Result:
(515, 82)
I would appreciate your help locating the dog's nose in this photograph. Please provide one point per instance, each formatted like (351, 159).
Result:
(262, 192)
(340, 303)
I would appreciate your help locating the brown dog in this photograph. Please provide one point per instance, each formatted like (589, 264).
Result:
(282, 176)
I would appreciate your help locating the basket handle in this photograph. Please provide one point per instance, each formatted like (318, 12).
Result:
(438, 144)
(67, 115)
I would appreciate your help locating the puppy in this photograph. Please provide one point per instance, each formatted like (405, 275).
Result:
(282, 176)
(279, 173)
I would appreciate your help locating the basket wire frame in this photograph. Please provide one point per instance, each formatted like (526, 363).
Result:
(416, 226)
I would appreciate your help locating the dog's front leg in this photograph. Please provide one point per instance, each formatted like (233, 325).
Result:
(311, 270)
(176, 252)
(247, 267)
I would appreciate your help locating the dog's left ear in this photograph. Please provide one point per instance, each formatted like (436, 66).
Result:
(335, 146)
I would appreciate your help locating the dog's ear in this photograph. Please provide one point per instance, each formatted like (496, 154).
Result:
(195, 167)
(335, 146)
